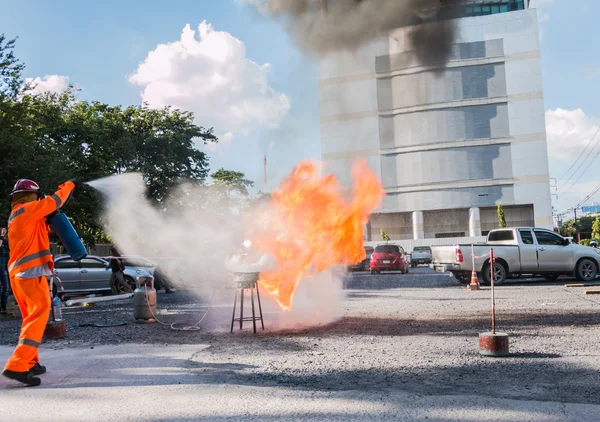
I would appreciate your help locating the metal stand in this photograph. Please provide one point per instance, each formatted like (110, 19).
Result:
(242, 287)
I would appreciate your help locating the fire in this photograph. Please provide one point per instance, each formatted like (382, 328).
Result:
(312, 224)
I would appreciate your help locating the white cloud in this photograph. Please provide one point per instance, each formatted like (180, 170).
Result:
(49, 83)
(569, 132)
(211, 76)
(224, 140)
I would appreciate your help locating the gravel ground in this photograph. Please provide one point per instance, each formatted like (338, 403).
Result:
(415, 333)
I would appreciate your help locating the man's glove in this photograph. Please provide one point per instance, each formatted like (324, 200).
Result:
(77, 182)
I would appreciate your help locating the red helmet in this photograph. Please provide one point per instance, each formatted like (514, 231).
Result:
(25, 185)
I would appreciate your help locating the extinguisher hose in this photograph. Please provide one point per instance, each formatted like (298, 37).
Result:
(195, 327)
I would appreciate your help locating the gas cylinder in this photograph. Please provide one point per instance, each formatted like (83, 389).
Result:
(68, 236)
(144, 299)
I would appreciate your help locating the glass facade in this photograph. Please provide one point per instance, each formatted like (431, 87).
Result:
(481, 9)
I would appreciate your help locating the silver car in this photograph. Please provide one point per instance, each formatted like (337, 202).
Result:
(92, 274)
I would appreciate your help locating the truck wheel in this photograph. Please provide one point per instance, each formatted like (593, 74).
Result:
(499, 274)
(586, 270)
(462, 279)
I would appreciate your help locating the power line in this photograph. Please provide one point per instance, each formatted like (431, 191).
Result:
(584, 171)
(580, 164)
(578, 158)
(587, 198)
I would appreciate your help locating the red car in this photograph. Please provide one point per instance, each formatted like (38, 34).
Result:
(388, 258)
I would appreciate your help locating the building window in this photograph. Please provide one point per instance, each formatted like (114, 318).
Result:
(487, 8)
(447, 235)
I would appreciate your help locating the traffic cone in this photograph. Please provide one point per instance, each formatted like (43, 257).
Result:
(474, 281)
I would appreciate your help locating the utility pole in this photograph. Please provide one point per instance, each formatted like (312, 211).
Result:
(576, 228)
(265, 172)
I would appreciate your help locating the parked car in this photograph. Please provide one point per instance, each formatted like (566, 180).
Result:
(420, 255)
(388, 258)
(364, 264)
(92, 274)
(523, 250)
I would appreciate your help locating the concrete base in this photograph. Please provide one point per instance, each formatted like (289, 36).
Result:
(491, 344)
(592, 292)
(55, 329)
(144, 321)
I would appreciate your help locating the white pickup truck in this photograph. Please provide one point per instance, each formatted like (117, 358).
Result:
(522, 250)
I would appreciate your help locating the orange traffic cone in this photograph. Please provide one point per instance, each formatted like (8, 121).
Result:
(474, 281)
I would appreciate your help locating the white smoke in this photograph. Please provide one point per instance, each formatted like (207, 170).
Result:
(187, 240)
(318, 300)
(198, 246)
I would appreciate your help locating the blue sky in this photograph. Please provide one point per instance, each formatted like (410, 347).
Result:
(99, 46)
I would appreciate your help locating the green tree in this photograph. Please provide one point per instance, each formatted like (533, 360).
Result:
(596, 229)
(501, 218)
(572, 228)
(384, 235)
(231, 183)
(11, 83)
(230, 190)
(164, 142)
(54, 137)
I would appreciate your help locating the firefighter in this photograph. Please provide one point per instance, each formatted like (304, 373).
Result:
(29, 265)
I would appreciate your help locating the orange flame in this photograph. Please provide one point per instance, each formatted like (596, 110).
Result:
(309, 226)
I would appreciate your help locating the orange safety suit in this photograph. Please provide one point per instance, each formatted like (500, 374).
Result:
(30, 248)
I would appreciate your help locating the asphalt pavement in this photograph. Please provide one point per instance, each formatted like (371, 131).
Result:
(405, 348)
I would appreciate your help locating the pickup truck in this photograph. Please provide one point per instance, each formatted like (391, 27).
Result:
(420, 255)
(522, 250)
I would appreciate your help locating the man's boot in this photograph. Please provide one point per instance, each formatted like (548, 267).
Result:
(38, 369)
(24, 377)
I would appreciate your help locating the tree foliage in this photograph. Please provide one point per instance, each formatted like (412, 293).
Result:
(230, 190)
(231, 183)
(596, 229)
(51, 138)
(501, 218)
(384, 235)
(572, 228)
(10, 70)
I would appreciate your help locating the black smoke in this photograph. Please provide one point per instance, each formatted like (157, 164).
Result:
(324, 26)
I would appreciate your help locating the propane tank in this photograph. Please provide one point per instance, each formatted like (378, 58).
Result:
(68, 236)
(144, 300)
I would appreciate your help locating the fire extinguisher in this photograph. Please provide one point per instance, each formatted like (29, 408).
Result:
(67, 235)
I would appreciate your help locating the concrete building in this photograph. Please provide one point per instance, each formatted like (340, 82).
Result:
(448, 144)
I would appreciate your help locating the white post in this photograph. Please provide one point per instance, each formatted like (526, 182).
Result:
(474, 222)
(418, 225)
